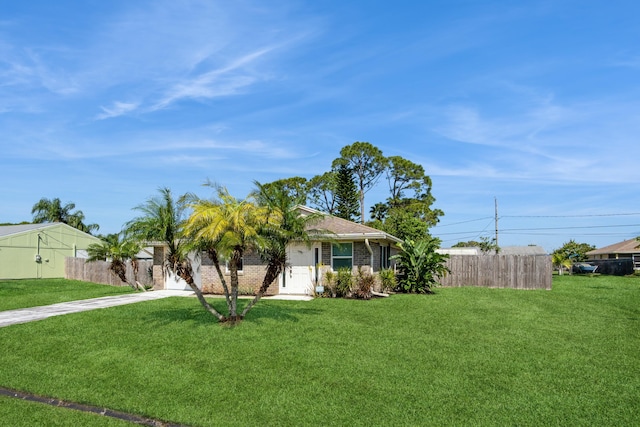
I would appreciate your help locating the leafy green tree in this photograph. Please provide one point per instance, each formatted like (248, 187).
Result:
(408, 212)
(295, 188)
(403, 175)
(322, 192)
(367, 163)
(346, 194)
(53, 210)
(574, 251)
(405, 224)
(486, 244)
(117, 250)
(378, 212)
(410, 219)
(420, 265)
(467, 244)
(226, 227)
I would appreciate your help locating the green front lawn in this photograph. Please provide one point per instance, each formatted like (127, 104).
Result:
(31, 293)
(18, 413)
(465, 356)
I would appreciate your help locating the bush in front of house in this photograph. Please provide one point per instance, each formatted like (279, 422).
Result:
(363, 285)
(388, 280)
(420, 266)
(344, 282)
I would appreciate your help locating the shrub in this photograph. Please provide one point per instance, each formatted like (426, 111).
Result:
(420, 266)
(388, 279)
(363, 285)
(329, 285)
(344, 282)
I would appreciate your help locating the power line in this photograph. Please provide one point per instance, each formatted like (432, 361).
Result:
(569, 228)
(511, 230)
(463, 222)
(571, 216)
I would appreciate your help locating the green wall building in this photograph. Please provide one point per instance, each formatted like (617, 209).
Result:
(37, 251)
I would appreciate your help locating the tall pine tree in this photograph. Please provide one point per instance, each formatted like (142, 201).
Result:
(347, 204)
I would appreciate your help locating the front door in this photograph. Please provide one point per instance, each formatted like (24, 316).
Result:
(300, 274)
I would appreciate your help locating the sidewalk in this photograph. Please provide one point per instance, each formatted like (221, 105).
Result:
(24, 315)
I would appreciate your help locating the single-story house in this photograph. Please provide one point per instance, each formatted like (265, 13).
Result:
(628, 249)
(38, 251)
(344, 244)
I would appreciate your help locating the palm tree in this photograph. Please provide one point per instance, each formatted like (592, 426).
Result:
(560, 260)
(117, 250)
(76, 220)
(162, 221)
(283, 224)
(226, 227)
(46, 210)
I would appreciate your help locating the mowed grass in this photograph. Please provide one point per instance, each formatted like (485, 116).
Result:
(465, 356)
(18, 413)
(31, 293)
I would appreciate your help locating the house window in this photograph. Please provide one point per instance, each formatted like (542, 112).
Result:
(385, 253)
(341, 255)
(240, 266)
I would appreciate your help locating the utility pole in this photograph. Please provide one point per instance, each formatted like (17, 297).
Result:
(496, 206)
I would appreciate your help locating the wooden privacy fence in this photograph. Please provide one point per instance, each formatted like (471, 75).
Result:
(499, 271)
(98, 272)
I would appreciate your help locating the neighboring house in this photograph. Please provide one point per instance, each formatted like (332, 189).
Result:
(342, 244)
(469, 250)
(505, 250)
(628, 249)
(38, 251)
(523, 250)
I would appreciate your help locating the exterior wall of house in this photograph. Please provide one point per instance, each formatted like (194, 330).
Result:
(361, 255)
(249, 279)
(158, 261)
(253, 270)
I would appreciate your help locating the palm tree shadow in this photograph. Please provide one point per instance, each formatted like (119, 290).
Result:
(282, 311)
(290, 311)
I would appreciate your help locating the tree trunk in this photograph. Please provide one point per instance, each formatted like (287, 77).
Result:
(362, 205)
(216, 263)
(236, 256)
(272, 273)
(184, 272)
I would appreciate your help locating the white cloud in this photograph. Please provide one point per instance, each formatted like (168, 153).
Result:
(118, 109)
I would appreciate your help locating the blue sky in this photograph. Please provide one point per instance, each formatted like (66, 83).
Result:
(533, 103)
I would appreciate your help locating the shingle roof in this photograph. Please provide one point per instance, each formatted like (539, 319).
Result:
(344, 229)
(522, 250)
(8, 230)
(626, 247)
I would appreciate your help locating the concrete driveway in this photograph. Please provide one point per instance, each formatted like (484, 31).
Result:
(24, 315)
(31, 314)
